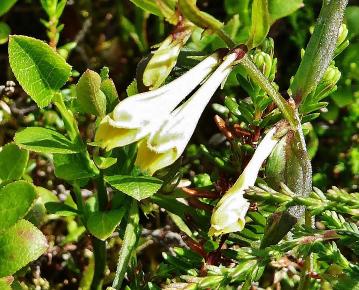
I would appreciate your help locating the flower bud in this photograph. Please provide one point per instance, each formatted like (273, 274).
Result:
(267, 45)
(165, 57)
(265, 63)
(343, 33)
(328, 83)
(89, 95)
(290, 164)
(331, 76)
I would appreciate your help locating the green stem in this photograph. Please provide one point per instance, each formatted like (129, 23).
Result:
(73, 130)
(225, 37)
(308, 263)
(128, 245)
(68, 118)
(99, 248)
(79, 201)
(287, 110)
(102, 196)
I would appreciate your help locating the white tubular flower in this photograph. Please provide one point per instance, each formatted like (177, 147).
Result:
(229, 214)
(138, 115)
(165, 146)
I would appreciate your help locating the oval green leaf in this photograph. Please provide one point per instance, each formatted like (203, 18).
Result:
(103, 224)
(13, 161)
(138, 187)
(44, 140)
(260, 23)
(4, 32)
(16, 200)
(20, 245)
(5, 6)
(38, 68)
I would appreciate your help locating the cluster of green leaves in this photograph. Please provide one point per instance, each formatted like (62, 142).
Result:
(71, 159)
(17, 197)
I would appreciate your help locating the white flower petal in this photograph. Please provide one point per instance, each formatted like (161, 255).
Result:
(229, 214)
(139, 110)
(168, 143)
(138, 115)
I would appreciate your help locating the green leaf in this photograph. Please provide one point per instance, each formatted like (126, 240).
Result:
(139, 187)
(5, 6)
(89, 95)
(132, 88)
(38, 68)
(277, 227)
(279, 8)
(44, 140)
(103, 224)
(19, 245)
(72, 167)
(61, 209)
(352, 19)
(260, 23)
(148, 5)
(16, 200)
(13, 161)
(128, 246)
(6, 282)
(4, 32)
(240, 8)
(104, 162)
(320, 49)
(109, 89)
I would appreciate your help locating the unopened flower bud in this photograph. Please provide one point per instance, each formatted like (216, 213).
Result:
(343, 33)
(89, 95)
(331, 76)
(267, 46)
(165, 57)
(265, 64)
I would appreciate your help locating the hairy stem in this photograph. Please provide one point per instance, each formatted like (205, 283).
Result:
(308, 264)
(287, 110)
(99, 249)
